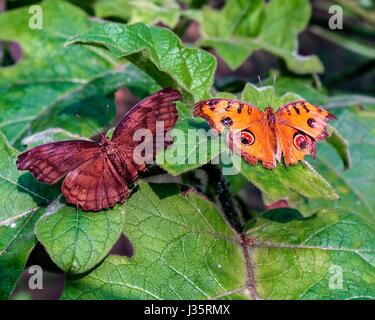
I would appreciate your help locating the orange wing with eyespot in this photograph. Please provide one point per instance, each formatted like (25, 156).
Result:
(305, 117)
(249, 135)
(294, 144)
(299, 124)
(254, 143)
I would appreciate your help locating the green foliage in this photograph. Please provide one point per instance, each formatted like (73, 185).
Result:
(133, 11)
(184, 243)
(242, 27)
(76, 241)
(22, 203)
(149, 48)
(297, 258)
(51, 84)
(183, 250)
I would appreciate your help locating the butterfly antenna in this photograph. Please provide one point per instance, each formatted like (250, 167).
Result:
(273, 89)
(88, 123)
(265, 96)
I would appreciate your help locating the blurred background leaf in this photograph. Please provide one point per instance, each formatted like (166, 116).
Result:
(242, 27)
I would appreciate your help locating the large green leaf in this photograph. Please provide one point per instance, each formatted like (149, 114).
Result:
(17, 239)
(20, 193)
(183, 249)
(242, 27)
(356, 186)
(76, 240)
(192, 147)
(158, 52)
(51, 84)
(133, 11)
(330, 255)
(22, 202)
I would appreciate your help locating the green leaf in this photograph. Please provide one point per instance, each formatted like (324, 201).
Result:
(21, 194)
(351, 100)
(330, 255)
(341, 146)
(243, 27)
(305, 90)
(51, 84)
(158, 52)
(356, 186)
(192, 147)
(76, 240)
(17, 239)
(133, 11)
(280, 181)
(183, 250)
(22, 201)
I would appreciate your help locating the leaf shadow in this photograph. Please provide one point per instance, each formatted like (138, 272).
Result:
(283, 215)
(164, 190)
(42, 194)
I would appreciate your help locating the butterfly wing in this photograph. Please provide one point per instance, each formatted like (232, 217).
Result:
(254, 143)
(249, 135)
(305, 117)
(157, 109)
(95, 185)
(227, 113)
(294, 144)
(300, 124)
(52, 161)
(161, 106)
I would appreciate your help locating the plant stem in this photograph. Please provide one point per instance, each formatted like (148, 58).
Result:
(220, 186)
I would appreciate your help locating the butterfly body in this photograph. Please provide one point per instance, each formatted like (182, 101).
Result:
(97, 175)
(291, 131)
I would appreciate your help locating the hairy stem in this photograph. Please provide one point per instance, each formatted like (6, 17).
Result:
(220, 186)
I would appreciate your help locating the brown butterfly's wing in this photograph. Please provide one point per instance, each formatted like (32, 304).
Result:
(294, 144)
(227, 113)
(249, 135)
(95, 185)
(305, 117)
(160, 106)
(157, 109)
(52, 161)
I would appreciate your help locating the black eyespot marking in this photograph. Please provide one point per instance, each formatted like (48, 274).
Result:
(247, 138)
(311, 122)
(300, 141)
(227, 122)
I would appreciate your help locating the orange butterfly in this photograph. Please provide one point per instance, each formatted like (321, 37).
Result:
(292, 131)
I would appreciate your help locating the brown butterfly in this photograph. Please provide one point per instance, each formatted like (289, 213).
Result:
(292, 131)
(98, 174)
